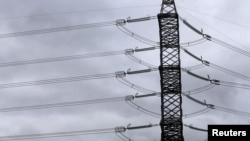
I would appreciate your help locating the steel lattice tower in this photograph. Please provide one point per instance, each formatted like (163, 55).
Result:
(170, 73)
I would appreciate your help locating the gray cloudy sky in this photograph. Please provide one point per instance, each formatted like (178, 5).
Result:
(110, 115)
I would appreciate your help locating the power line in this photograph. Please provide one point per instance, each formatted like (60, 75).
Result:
(157, 115)
(121, 79)
(137, 60)
(211, 106)
(217, 67)
(212, 29)
(197, 113)
(128, 99)
(133, 86)
(151, 113)
(195, 128)
(123, 137)
(215, 17)
(154, 93)
(193, 43)
(154, 43)
(57, 29)
(231, 84)
(63, 58)
(56, 80)
(136, 36)
(195, 67)
(74, 57)
(73, 103)
(75, 11)
(144, 110)
(57, 134)
(217, 41)
(200, 89)
(74, 27)
(219, 82)
(229, 46)
(128, 52)
(71, 79)
(63, 104)
(119, 129)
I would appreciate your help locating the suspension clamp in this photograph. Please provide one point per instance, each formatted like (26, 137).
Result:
(214, 81)
(120, 129)
(208, 37)
(120, 74)
(120, 22)
(210, 106)
(129, 51)
(205, 62)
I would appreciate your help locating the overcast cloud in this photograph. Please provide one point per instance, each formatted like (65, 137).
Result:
(110, 115)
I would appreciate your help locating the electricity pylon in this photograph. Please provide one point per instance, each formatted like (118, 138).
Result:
(170, 73)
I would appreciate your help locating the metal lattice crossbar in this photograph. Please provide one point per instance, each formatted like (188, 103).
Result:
(170, 72)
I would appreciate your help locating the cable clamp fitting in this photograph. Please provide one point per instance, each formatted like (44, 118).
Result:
(129, 98)
(205, 62)
(120, 22)
(120, 129)
(120, 74)
(208, 37)
(211, 106)
(214, 81)
(129, 51)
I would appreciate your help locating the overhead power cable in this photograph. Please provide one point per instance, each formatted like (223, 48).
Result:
(75, 11)
(120, 129)
(154, 93)
(195, 128)
(218, 82)
(151, 42)
(229, 46)
(120, 78)
(229, 38)
(151, 113)
(195, 67)
(215, 17)
(63, 58)
(158, 115)
(128, 99)
(74, 57)
(136, 36)
(57, 29)
(137, 60)
(63, 104)
(57, 134)
(193, 43)
(56, 80)
(74, 27)
(211, 106)
(200, 89)
(217, 67)
(73, 103)
(70, 79)
(217, 41)
(197, 113)
(133, 86)
(141, 109)
(123, 137)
